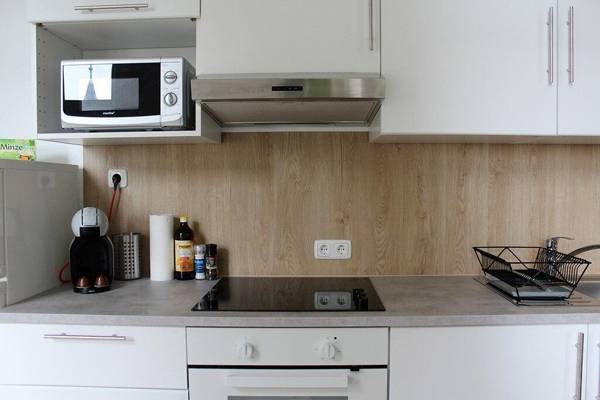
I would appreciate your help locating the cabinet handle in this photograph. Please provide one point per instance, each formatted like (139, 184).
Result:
(64, 336)
(550, 24)
(127, 6)
(371, 34)
(571, 24)
(579, 369)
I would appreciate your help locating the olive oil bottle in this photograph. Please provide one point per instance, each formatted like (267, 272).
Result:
(184, 251)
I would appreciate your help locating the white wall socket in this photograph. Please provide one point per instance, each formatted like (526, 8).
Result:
(333, 249)
(120, 171)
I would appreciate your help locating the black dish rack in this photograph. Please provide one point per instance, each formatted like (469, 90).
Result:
(531, 274)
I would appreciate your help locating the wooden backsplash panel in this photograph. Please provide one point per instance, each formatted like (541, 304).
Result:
(408, 208)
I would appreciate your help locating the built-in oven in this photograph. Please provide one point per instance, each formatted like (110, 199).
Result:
(288, 384)
(288, 363)
(126, 94)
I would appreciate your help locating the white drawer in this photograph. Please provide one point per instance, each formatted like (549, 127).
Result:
(94, 356)
(106, 10)
(288, 346)
(78, 393)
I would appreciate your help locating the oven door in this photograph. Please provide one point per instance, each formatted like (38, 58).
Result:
(110, 94)
(288, 384)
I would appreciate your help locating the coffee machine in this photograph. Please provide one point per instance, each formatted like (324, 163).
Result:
(91, 254)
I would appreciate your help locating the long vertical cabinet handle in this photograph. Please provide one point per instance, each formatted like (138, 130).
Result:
(371, 27)
(579, 369)
(550, 24)
(571, 24)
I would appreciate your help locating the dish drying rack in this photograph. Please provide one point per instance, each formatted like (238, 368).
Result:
(531, 275)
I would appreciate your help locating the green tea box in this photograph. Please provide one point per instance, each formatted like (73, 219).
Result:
(17, 149)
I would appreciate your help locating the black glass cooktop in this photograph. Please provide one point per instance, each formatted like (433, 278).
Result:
(291, 294)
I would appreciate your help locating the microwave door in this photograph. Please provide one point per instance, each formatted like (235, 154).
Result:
(105, 95)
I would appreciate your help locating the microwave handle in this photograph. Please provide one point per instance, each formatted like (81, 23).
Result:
(326, 381)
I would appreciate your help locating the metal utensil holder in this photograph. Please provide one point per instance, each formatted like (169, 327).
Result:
(128, 256)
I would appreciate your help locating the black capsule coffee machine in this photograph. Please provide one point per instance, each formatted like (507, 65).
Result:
(92, 254)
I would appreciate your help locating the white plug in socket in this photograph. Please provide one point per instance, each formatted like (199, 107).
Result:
(119, 171)
(333, 249)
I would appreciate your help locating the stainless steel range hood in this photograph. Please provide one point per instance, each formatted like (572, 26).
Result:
(323, 99)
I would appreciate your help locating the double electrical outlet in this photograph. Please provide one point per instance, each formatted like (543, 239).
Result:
(333, 249)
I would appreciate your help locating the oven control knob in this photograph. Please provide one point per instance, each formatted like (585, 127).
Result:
(245, 351)
(328, 351)
(170, 77)
(170, 99)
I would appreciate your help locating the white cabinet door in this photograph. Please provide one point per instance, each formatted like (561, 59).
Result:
(93, 356)
(491, 363)
(469, 67)
(593, 363)
(78, 393)
(103, 10)
(579, 82)
(38, 203)
(287, 36)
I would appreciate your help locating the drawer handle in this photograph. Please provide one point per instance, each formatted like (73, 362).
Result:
(99, 7)
(64, 336)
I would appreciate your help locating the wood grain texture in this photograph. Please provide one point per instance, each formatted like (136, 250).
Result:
(408, 208)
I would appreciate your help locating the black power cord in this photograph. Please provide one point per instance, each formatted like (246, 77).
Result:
(116, 180)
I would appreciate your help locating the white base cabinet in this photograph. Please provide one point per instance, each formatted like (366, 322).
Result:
(492, 363)
(78, 393)
(592, 391)
(93, 356)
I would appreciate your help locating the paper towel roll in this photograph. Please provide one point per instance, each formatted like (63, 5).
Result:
(162, 247)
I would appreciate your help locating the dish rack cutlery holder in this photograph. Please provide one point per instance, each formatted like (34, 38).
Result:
(520, 267)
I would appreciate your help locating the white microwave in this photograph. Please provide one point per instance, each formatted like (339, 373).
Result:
(127, 94)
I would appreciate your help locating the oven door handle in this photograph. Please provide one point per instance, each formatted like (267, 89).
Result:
(325, 381)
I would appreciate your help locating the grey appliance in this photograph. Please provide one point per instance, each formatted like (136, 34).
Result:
(304, 99)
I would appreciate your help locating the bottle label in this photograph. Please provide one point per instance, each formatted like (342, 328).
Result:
(199, 267)
(184, 256)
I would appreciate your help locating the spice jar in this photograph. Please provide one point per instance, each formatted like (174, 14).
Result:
(212, 271)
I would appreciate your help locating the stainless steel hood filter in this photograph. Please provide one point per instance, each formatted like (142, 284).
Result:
(248, 100)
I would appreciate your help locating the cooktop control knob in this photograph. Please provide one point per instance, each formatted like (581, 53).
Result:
(245, 351)
(328, 351)
(170, 99)
(170, 77)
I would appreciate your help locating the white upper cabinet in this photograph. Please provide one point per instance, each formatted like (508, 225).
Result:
(287, 36)
(491, 363)
(469, 67)
(101, 10)
(579, 80)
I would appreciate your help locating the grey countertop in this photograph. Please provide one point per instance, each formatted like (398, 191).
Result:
(409, 301)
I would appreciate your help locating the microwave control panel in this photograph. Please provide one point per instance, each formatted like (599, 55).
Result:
(171, 88)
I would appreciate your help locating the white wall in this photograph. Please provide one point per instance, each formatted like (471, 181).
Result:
(17, 106)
